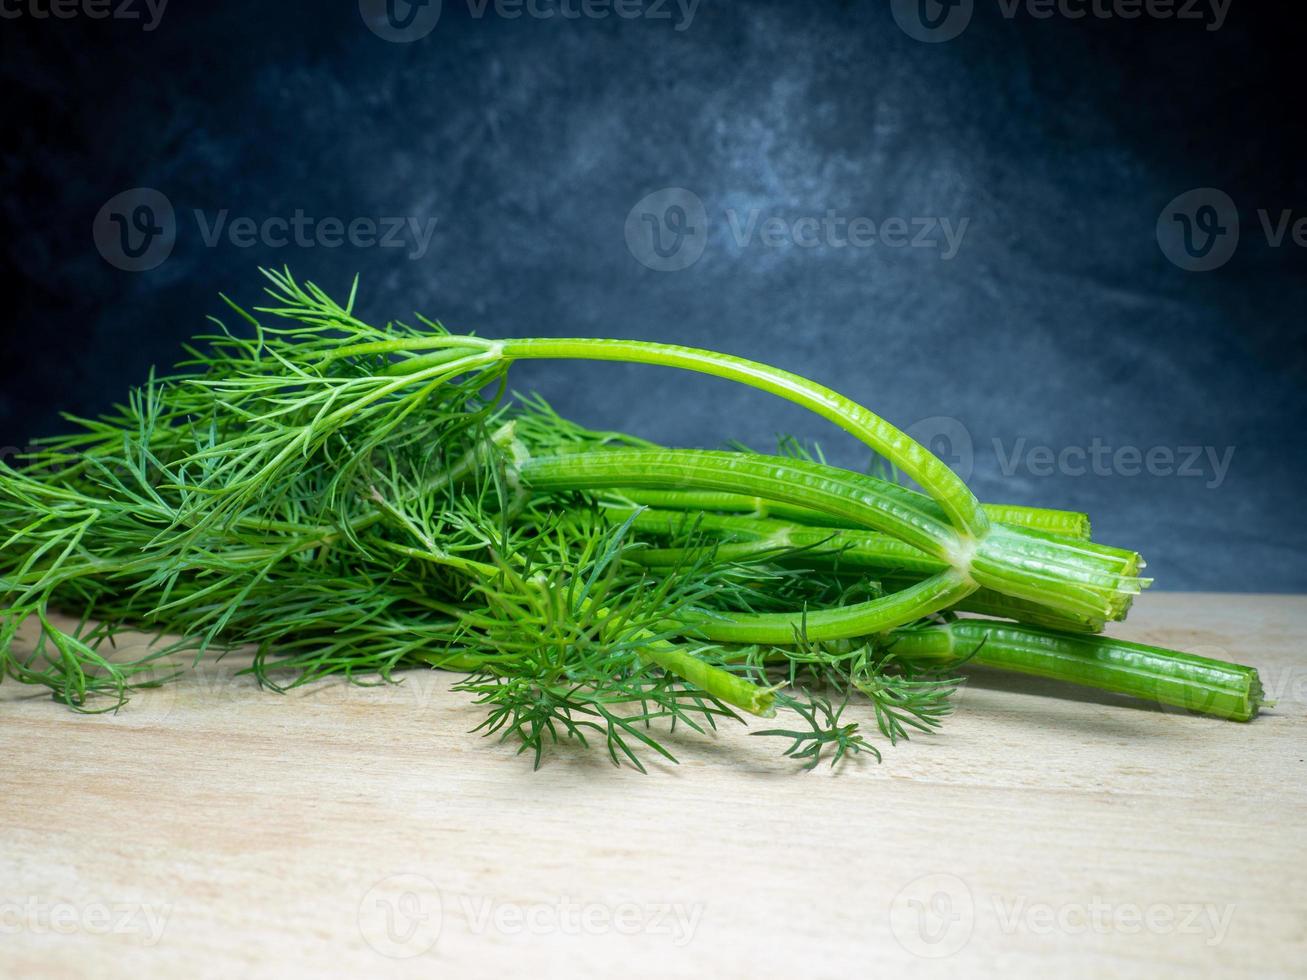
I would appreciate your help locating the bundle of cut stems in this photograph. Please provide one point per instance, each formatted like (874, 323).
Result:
(356, 500)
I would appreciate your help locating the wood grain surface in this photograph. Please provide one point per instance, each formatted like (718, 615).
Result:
(211, 829)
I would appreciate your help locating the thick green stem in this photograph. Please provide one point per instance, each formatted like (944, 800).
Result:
(957, 502)
(896, 564)
(1073, 577)
(808, 483)
(1063, 523)
(749, 537)
(729, 688)
(847, 622)
(987, 602)
(813, 485)
(1168, 677)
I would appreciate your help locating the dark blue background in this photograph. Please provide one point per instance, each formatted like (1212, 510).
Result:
(1059, 322)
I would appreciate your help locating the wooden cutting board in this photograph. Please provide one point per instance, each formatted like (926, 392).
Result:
(211, 829)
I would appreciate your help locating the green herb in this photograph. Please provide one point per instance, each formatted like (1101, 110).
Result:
(356, 500)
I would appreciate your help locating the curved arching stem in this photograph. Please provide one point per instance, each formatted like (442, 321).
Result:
(941, 483)
(847, 622)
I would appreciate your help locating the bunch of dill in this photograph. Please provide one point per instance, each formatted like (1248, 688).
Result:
(340, 520)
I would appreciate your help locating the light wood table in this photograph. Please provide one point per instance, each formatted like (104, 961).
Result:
(211, 829)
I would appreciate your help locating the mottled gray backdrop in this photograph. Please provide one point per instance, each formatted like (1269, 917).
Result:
(988, 238)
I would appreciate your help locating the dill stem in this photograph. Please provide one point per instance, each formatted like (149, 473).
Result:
(718, 683)
(960, 506)
(858, 619)
(895, 563)
(1169, 677)
(748, 537)
(1063, 523)
(840, 493)
(1074, 577)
